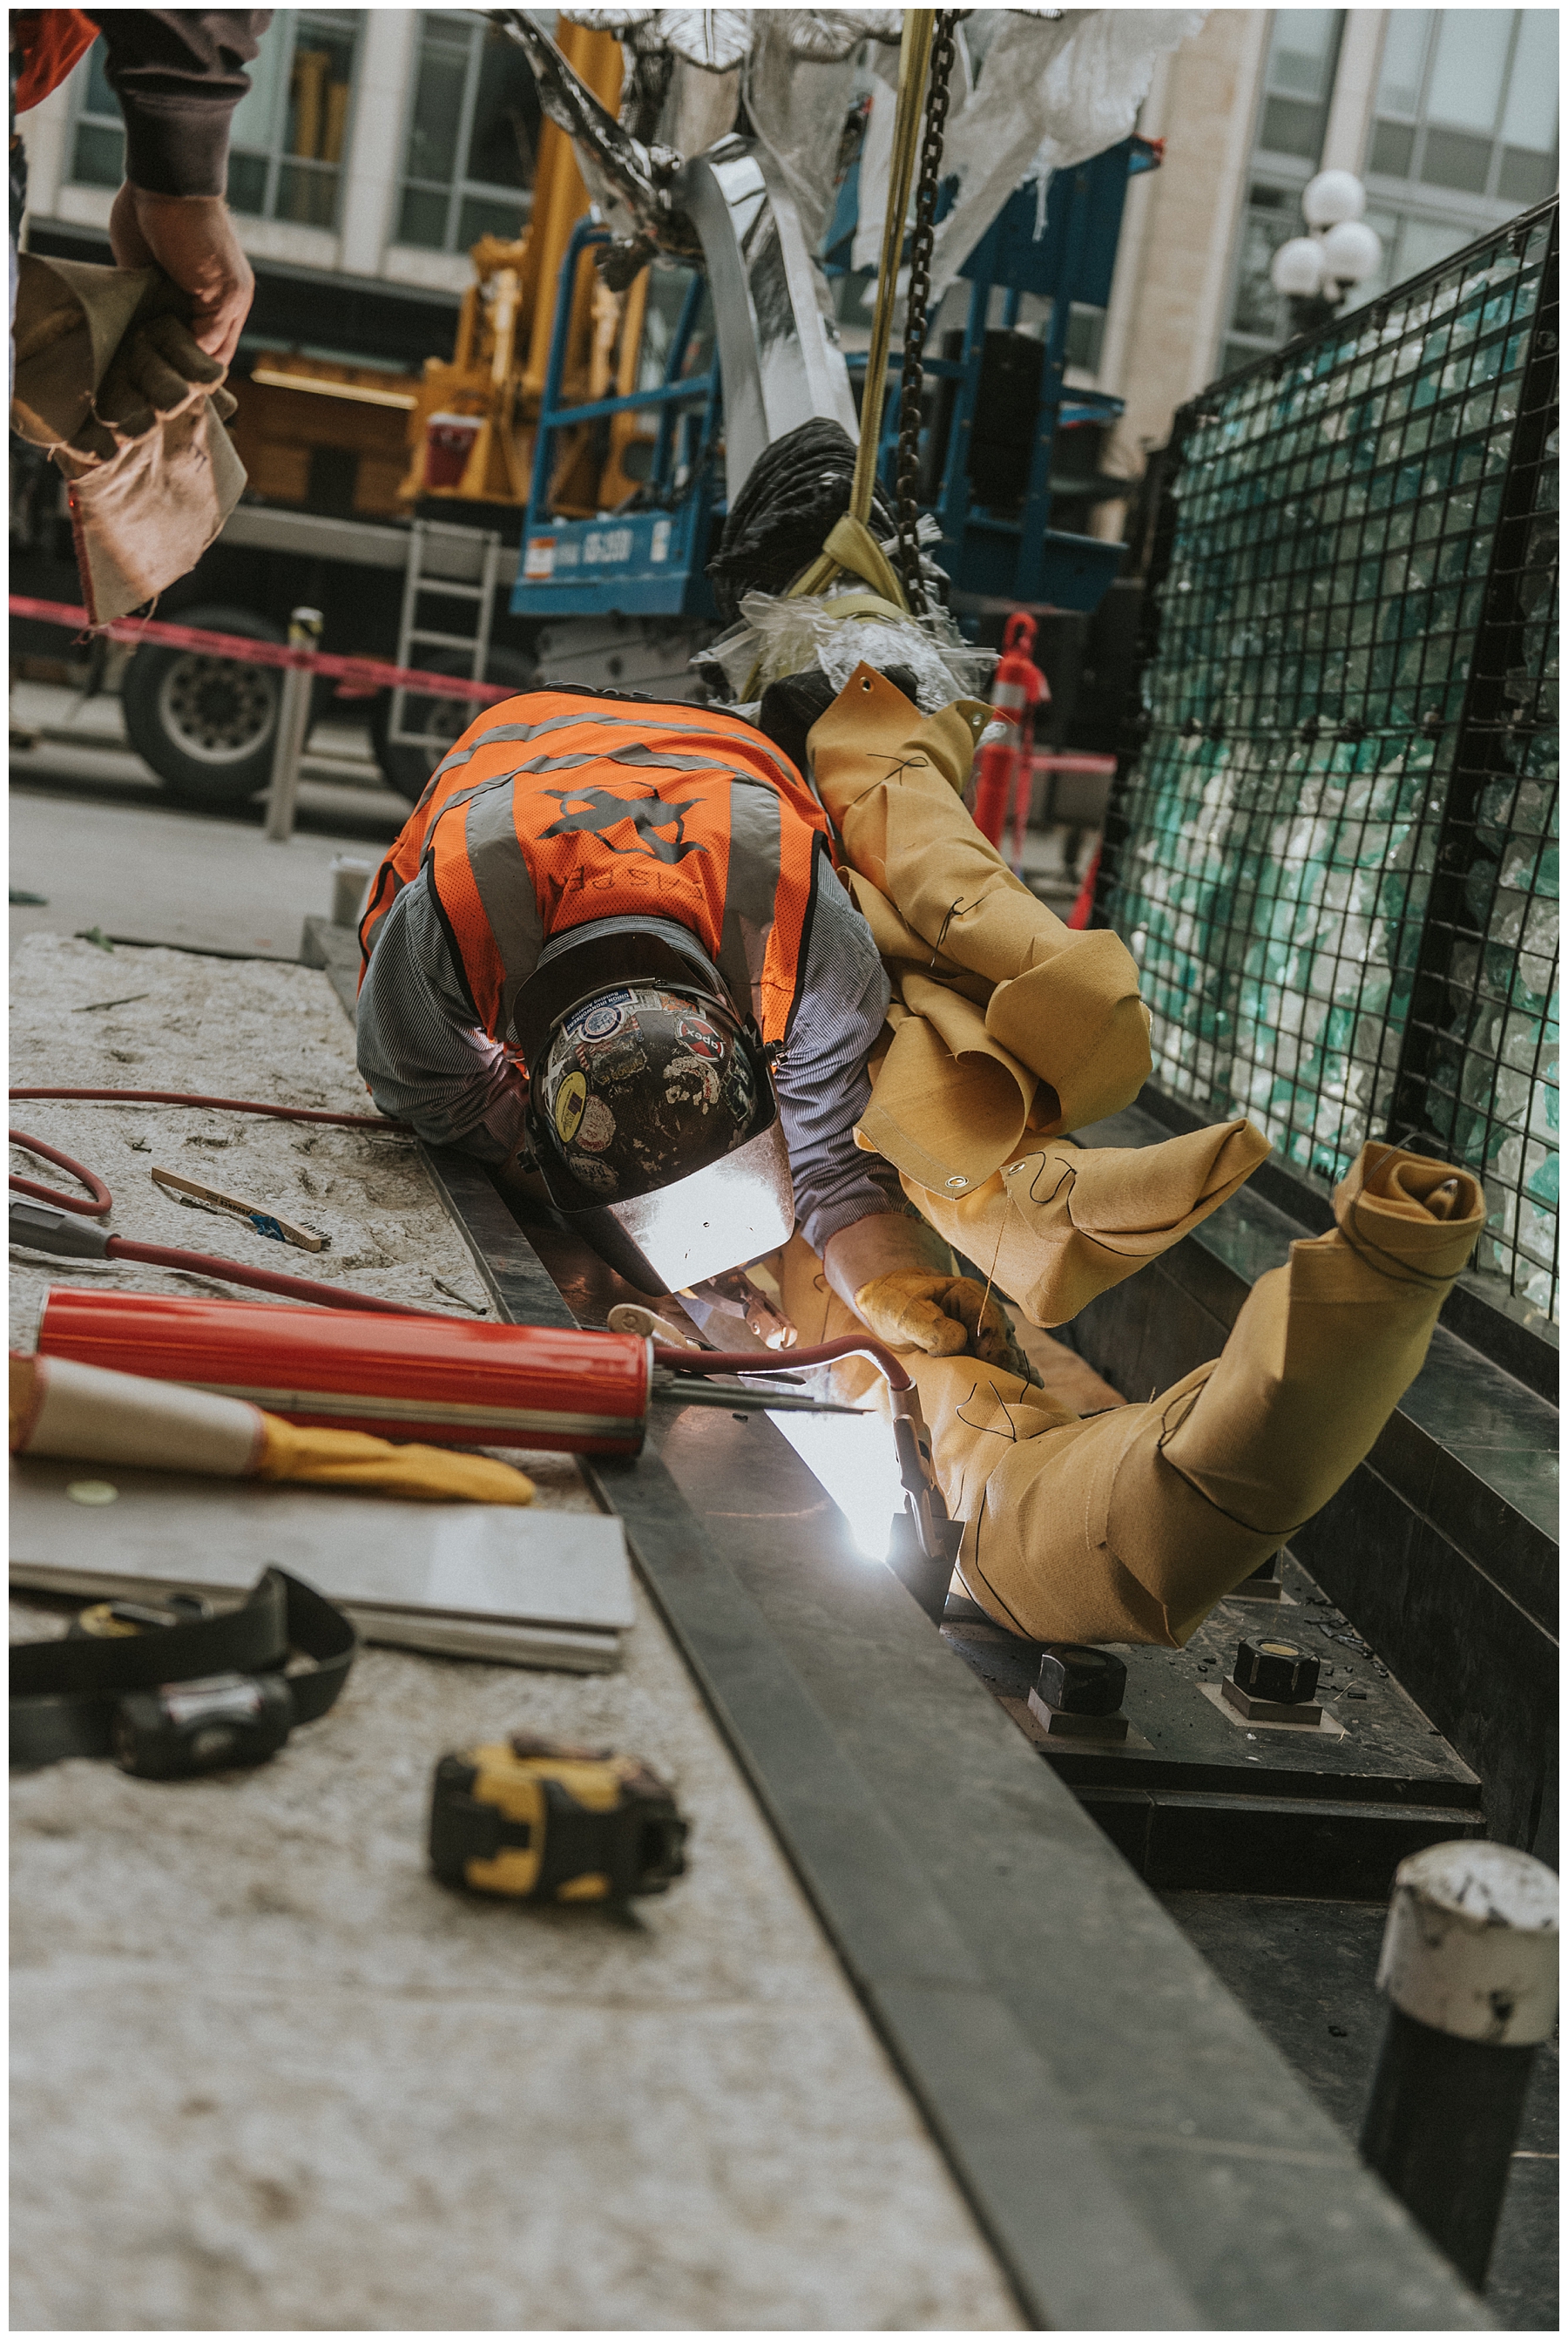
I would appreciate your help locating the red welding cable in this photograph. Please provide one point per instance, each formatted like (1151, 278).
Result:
(222, 1105)
(226, 1271)
(103, 1201)
(747, 1361)
(292, 1287)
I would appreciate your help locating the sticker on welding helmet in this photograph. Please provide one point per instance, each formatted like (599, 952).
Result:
(597, 1126)
(570, 1100)
(739, 1094)
(600, 1021)
(690, 1080)
(701, 1038)
(601, 1014)
(609, 1062)
(595, 1175)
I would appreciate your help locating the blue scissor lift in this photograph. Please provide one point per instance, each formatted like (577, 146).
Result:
(647, 559)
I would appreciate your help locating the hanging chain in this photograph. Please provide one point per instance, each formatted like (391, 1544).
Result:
(907, 501)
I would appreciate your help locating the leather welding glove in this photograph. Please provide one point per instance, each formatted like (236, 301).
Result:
(84, 1413)
(158, 372)
(373, 1466)
(904, 1284)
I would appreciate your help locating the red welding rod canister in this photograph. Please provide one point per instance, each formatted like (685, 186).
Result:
(405, 1377)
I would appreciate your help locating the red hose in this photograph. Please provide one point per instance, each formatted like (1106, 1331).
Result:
(226, 1271)
(232, 1271)
(223, 1104)
(747, 1361)
(103, 1201)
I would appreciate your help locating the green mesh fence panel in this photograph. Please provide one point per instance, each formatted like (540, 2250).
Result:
(1334, 858)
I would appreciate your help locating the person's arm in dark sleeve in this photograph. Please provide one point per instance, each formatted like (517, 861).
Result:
(419, 1051)
(179, 74)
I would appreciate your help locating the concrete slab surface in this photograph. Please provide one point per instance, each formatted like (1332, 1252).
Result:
(269, 2075)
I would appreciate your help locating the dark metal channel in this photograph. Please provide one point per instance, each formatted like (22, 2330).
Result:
(1137, 2154)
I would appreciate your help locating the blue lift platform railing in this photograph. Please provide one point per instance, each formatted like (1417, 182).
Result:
(641, 560)
(649, 557)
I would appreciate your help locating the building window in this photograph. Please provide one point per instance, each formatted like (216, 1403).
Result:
(98, 154)
(1298, 86)
(287, 137)
(473, 136)
(1298, 82)
(1467, 104)
(287, 141)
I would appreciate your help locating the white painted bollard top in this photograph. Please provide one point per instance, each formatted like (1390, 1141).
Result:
(1470, 1944)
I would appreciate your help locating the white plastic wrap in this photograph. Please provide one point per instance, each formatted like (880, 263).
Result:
(720, 38)
(782, 637)
(1051, 93)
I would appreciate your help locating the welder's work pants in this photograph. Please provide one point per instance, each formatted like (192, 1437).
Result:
(1130, 1526)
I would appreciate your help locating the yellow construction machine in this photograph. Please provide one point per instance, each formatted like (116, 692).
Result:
(471, 429)
(371, 443)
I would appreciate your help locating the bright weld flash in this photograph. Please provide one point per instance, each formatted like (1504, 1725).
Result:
(854, 1459)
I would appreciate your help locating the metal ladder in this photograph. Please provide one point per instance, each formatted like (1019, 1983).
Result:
(449, 564)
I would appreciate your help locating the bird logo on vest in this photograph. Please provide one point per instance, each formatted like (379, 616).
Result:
(592, 811)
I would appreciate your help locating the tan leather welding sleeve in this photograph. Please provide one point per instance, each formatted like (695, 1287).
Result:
(1066, 1004)
(1056, 1227)
(1131, 1526)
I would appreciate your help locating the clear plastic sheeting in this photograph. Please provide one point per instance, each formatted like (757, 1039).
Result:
(783, 637)
(720, 38)
(1052, 91)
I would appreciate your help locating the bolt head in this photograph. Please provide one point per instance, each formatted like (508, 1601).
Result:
(1267, 1668)
(1075, 1679)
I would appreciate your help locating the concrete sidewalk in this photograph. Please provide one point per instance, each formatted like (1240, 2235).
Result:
(97, 834)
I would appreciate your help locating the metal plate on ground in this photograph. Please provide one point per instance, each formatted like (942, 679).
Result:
(1200, 1799)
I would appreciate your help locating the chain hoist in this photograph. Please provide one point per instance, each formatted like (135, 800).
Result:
(906, 498)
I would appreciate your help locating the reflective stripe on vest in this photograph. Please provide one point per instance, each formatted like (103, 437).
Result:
(670, 810)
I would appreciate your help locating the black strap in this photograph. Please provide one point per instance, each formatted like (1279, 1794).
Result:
(63, 1693)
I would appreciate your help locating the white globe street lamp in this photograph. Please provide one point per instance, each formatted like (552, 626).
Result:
(1315, 272)
(1352, 251)
(1333, 196)
(1298, 269)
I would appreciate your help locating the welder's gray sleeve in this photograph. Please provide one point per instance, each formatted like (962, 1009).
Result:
(821, 1078)
(419, 1049)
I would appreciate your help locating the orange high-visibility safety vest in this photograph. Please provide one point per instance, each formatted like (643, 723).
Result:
(561, 806)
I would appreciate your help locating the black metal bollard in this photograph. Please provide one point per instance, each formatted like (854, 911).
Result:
(1470, 1966)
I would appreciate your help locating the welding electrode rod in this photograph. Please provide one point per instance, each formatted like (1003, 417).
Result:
(1470, 1966)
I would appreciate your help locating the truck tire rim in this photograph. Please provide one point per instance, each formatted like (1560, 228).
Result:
(217, 710)
(440, 723)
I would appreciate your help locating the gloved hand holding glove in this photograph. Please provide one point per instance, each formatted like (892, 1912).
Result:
(903, 1283)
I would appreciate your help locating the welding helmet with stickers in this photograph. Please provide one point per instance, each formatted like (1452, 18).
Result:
(651, 1112)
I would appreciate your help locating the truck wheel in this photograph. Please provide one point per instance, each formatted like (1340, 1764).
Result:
(204, 724)
(407, 767)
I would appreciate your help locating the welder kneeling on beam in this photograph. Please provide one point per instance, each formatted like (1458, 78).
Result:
(751, 984)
